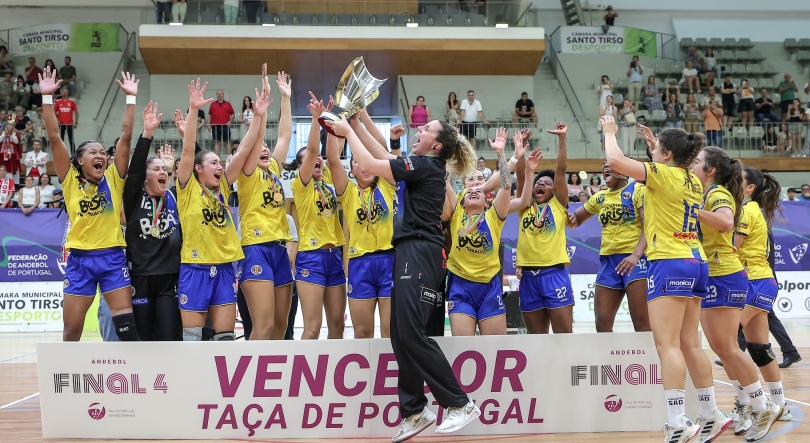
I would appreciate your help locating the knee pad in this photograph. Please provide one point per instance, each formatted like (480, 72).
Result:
(207, 334)
(192, 334)
(762, 354)
(125, 327)
(223, 336)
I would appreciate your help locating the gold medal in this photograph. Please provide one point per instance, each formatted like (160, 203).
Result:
(278, 197)
(155, 231)
(87, 186)
(327, 213)
(462, 232)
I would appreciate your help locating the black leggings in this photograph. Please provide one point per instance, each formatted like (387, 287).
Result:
(69, 129)
(154, 303)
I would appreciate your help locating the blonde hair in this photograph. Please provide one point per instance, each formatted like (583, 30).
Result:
(456, 151)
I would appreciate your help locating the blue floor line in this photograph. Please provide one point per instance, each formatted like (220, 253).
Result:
(18, 357)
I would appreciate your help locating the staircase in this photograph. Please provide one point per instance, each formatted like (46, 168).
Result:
(572, 12)
(112, 128)
(551, 107)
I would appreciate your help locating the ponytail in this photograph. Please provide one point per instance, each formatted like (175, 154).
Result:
(767, 193)
(296, 163)
(729, 174)
(456, 151)
(684, 146)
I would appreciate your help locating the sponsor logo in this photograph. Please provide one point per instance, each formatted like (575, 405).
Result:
(96, 411)
(408, 164)
(613, 403)
(430, 296)
(797, 252)
(807, 303)
(305, 272)
(785, 305)
(737, 296)
(238, 273)
(140, 301)
(255, 269)
(675, 401)
(680, 284)
(66, 282)
(313, 242)
(213, 271)
(764, 298)
(628, 352)
(571, 251)
(183, 299)
(352, 250)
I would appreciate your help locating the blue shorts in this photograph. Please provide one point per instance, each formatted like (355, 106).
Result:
(104, 269)
(371, 276)
(477, 300)
(608, 277)
(727, 291)
(265, 262)
(202, 286)
(321, 267)
(677, 277)
(545, 288)
(762, 293)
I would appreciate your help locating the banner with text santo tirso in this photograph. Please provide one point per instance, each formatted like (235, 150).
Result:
(65, 37)
(617, 40)
(345, 389)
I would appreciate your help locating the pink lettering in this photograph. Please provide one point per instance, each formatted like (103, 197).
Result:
(654, 380)
(136, 385)
(263, 375)
(513, 412)
(635, 375)
(229, 387)
(117, 384)
(228, 418)
(340, 375)
(251, 427)
(531, 412)
(332, 414)
(480, 370)
(439, 413)
(512, 374)
(384, 373)
(319, 414)
(493, 415)
(206, 411)
(387, 414)
(276, 417)
(315, 383)
(365, 415)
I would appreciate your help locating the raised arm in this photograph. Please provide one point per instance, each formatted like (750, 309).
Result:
(615, 158)
(721, 219)
(48, 84)
(316, 108)
(519, 140)
(503, 197)
(525, 198)
(397, 131)
(339, 176)
(246, 146)
(130, 88)
(195, 102)
(371, 165)
(560, 184)
(450, 199)
(284, 85)
(370, 135)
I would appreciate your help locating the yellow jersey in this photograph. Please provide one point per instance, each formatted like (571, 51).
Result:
(719, 246)
(474, 256)
(369, 215)
(94, 210)
(620, 215)
(754, 251)
(541, 235)
(262, 215)
(316, 203)
(209, 233)
(671, 204)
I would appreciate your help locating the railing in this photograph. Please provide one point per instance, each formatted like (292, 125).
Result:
(666, 44)
(126, 54)
(567, 89)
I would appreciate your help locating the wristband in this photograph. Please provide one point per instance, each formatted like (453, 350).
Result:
(130, 99)
(395, 144)
(47, 99)
(513, 160)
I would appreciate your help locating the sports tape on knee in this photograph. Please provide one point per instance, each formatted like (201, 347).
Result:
(762, 354)
(125, 327)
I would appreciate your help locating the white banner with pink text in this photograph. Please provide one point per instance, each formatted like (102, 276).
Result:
(343, 388)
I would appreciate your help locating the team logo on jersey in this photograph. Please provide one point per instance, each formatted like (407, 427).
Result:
(305, 272)
(66, 282)
(352, 250)
(257, 233)
(625, 195)
(313, 242)
(183, 299)
(797, 252)
(571, 251)
(600, 199)
(133, 291)
(194, 253)
(449, 304)
(349, 288)
(255, 269)
(213, 271)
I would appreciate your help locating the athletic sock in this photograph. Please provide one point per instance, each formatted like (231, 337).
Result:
(777, 394)
(707, 402)
(676, 408)
(755, 395)
(741, 397)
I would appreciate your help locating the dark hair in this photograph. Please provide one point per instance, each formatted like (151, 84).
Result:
(454, 101)
(68, 57)
(151, 160)
(20, 77)
(598, 180)
(79, 152)
(470, 91)
(198, 160)
(3, 48)
(571, 179)
(524, 93)
(52, 63)
(544, 173)
(44, 175)
(250, 100)
(683, 145)
(767, 193)
(296, 163)
(728, 173)
(417, 98)
(481, 158)
(803, 185)
(793, 190)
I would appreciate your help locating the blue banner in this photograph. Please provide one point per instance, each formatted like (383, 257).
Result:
(31, 245)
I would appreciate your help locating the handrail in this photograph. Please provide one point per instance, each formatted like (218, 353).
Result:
(122, 66)
(554, 64)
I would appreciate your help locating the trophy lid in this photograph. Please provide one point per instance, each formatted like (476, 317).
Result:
(357, 87)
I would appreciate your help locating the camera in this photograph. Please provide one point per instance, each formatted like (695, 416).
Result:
(632, 64)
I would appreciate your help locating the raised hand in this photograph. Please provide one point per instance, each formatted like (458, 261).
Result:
(166, 153)
(316, 107)
(573, 221)
(261, 103)
(397, 131)
(609, 125)
(151, 118)
(284, 84)
(195, 95)
(526, 133)
(534, 159)
(180, 122)
(48, 84)
(500, 140)
(560, 129)
(647, 134)
(265, 82)
(520, 149)
(341, 127)
(130, 85)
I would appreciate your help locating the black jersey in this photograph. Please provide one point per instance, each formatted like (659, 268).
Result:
(150, 251)
(419, 214)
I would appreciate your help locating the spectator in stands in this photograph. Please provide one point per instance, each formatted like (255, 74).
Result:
(728, 90)
(179, 11)
(21, 96)
(713, 120)
(6, 188)
(652, 101)
(10, 151)
(593, 187)
(46, 190)
(805, 193)
(231, 9)
(419, 114)
(482, 166)
(746, 105)
(574, 187)
(606, 109)
(524, 110)
(787, 92)
(252, 8)
(36, 161)
(807, 91)
(797, 119)
(65, 109)
(791, 195)
(3, 121)
(709, 66)
(39, 127)
(246, 116)
(220, 115)
(691, 120)
(770, 141)
(32, 71)
(695, 58)
(24, 127)
(783, 137)
(68, 75)
(28, 197)
(763, 108)
(50, 64)
(704, 102)
(627, 122)
(6, 91)
(604, 89)
(164, 11)
(451, 106)
(634, 80)
(471, 110)
(690, 78)
(5, 62)
(674, 108)
(610, 18)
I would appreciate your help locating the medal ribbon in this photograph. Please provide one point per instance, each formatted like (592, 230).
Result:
(366, 206)
(276, 184)
(209, 193)
(157, 208)
(471, 223)
(319, 187)
(539, 217)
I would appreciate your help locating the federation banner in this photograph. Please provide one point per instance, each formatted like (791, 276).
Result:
(31, 245)
(65, 37)
(345, 389)
(618, 40)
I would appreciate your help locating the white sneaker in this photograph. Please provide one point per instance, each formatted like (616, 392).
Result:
(735, 413)
(712, 427)
(414, 425)
(680, 434)
(763, 421)
(744, 422)
(457, 418)
(786, 415)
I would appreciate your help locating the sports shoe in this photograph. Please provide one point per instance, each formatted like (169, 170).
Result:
(680, 434)
(763, 420)
(712, 427)
(744, 421)
(786, 415)
(735, 413)
(457, 418)
(414, 424)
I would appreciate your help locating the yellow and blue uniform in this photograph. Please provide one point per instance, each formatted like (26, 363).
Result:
(316, 202)
(369, 216)
(95, 240)
(263, 223)
(762, 287)
(728, 283)
(474, 288)
(676, 262)
(543, 255)
(210, 247)
(620, 213)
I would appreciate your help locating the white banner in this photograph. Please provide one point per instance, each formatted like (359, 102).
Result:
(617, 40)
(287, 177)
(343, 389)
(793, 300)
(41, 38)
(584, 286)
(31, 306)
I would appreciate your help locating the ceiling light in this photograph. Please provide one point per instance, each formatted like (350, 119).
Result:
(502, 25)
(175, 24)
(412, 25)
(268, 24)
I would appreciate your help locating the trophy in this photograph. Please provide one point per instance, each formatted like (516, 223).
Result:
(356, 90)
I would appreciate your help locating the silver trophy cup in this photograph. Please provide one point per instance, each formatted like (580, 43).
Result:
(356, 90)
